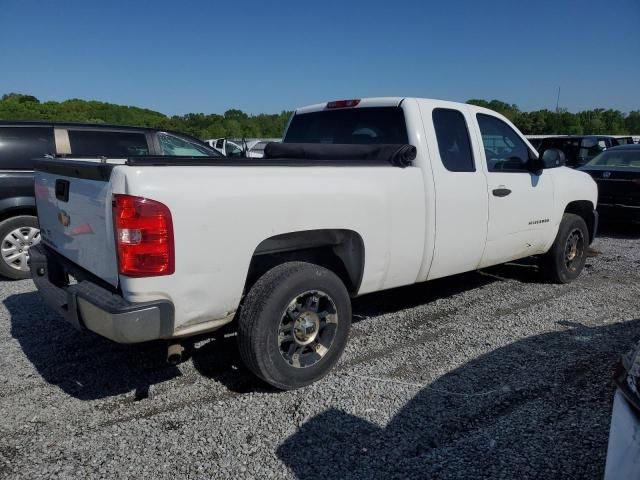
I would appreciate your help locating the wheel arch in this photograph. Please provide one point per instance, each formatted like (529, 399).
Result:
(339, 250)
(586, 210)
(15, 206)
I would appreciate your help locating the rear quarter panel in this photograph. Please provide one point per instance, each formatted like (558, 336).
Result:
(221, 214)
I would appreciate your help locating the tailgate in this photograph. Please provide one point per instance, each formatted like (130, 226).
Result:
(74, 211)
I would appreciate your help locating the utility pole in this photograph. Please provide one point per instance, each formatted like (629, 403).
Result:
(558, 112)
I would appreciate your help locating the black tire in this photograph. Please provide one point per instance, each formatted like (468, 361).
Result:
(562, 263)
(22, 222)
(267, 309)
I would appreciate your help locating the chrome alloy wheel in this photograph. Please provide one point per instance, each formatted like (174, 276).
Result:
(574, 249)
(15, 247)
(307, 329)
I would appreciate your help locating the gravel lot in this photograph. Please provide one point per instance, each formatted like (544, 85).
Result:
(485, 375)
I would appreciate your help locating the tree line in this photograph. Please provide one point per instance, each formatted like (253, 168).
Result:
(237, 124)
(232, 124)
(546, 122)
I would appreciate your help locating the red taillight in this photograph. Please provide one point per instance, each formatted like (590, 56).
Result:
(343, 103)
(144, 236)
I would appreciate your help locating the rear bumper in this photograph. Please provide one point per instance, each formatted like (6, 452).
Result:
(87, 304)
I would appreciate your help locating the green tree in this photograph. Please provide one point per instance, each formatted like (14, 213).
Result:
(20, 98)
(235, 124)
(511, 111)
(632, 122)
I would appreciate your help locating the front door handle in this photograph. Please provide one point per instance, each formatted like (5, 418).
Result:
(501, 192)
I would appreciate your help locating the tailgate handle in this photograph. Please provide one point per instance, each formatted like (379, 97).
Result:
(62, 190)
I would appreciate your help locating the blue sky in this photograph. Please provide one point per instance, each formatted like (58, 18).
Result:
(209, 56)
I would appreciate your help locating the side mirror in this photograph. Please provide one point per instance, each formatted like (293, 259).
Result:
(552, 158)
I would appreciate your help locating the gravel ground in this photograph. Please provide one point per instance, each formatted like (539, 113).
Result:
(485, 375)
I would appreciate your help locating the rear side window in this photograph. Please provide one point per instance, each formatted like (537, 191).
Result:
(367, 125)
(589, 148)
(453, 140)
(179, 147)
(110, 144)
(233, 150)
(19, 146)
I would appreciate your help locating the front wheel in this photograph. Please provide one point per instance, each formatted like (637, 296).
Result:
(294, 324)
(17, 235)
(566, 258)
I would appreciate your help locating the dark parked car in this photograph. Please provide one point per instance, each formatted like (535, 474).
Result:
(625, 140)
(617, 173)
(578, 150)
(535, 141)
(22, 142)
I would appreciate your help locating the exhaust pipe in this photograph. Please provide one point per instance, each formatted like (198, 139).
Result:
(174, 353)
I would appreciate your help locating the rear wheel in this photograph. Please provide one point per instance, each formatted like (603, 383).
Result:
(17, 235)
(294, 324)
(566, 258)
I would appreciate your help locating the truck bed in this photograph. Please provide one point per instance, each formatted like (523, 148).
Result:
(222, 215)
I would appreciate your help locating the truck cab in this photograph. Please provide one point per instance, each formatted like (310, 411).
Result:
(487, 199)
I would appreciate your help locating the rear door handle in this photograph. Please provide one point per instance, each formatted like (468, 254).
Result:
(501, 192)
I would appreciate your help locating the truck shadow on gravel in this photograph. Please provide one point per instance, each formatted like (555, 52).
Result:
(536, 408)
(396, 299)
(82, 364)
(89, 367)
(219, 359)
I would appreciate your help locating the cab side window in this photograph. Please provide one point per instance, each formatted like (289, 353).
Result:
(504, 149)
(109, 143)
(453, 140)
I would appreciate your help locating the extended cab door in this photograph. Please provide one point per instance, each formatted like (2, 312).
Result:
(460, 189)
(520, 202)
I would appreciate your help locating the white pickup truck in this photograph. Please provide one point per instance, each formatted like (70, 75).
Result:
(363, 195)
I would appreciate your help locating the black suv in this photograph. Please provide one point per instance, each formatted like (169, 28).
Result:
(22, 142)
(578, 150)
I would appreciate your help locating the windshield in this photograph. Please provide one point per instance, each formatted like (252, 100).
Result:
(367, 125)
(617, 158)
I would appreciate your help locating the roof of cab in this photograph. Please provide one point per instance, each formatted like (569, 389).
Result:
(394, 102)
(364, 102)
(44, 123)
(96, 126)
